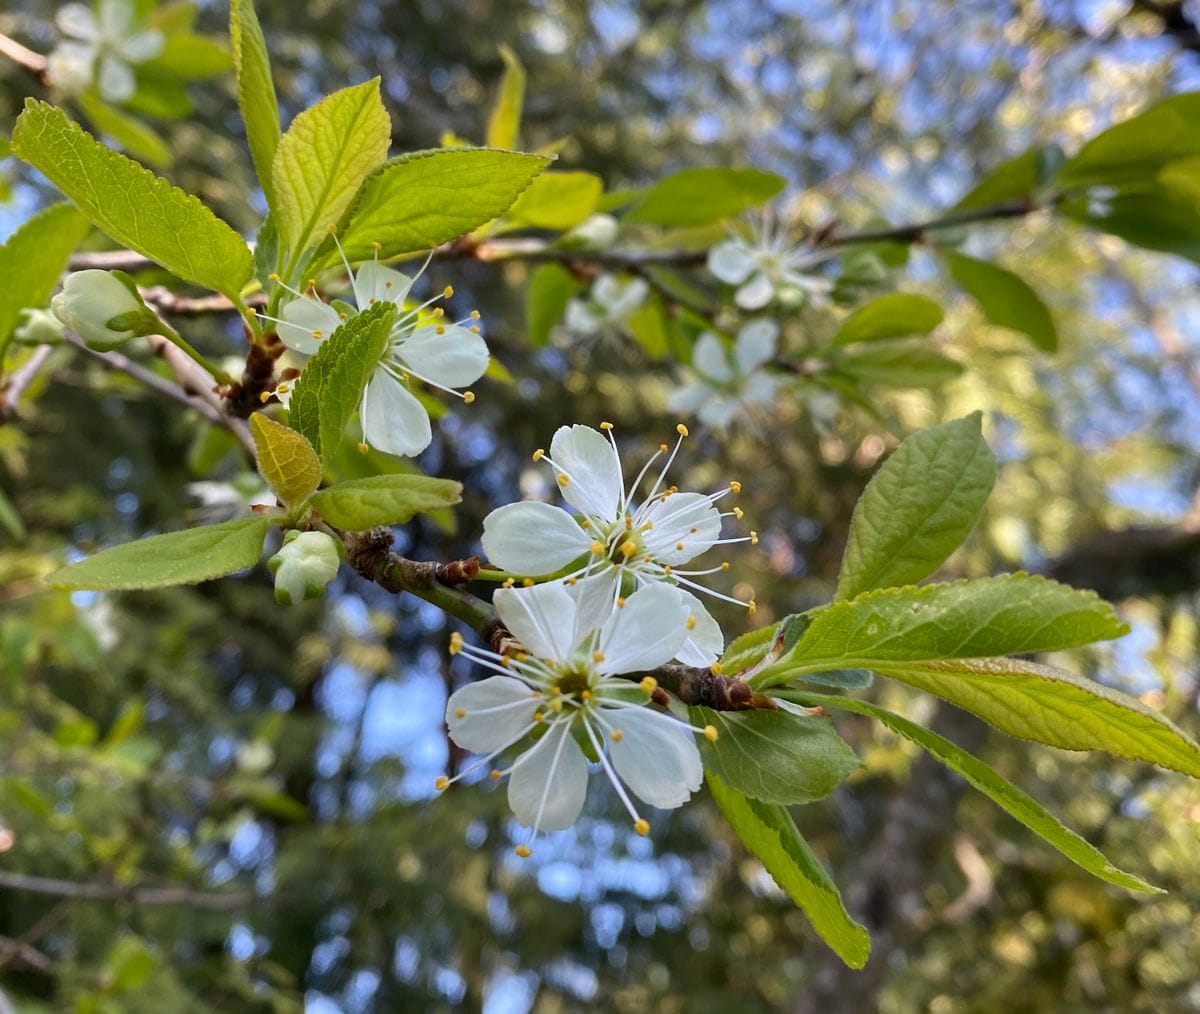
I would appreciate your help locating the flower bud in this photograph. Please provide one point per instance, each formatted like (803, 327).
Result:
(596, 232)
(103, 308)
(38, 327)
(304, 566)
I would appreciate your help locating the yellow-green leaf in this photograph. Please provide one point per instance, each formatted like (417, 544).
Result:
(286, 459)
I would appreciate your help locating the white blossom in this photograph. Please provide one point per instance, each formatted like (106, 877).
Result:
(730, 386)
(609, 304)
(421, 347)
(567, 688)
(614, 544)
(90, 300)
(107, 44)
(767, 265)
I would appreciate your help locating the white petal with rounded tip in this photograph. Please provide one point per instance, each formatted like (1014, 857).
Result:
(497, 710)
(532, 538)
(646, 633)
(710, 358)
(375, 282)
(690, 398)
(731, 261)
(548, 784)
(760, 388)
(455, 358)
(301, 318)
(596, 598)
(77, 21)
(629, 297)
(142, 47)
(543, 618)
(704, 642)
(114, 18)
(756, 293)
(673, 520)
(115, 80)
(595, 485)
(719, 412)
(583, 318)
(755, 344)
(655, 757)
(393, 420)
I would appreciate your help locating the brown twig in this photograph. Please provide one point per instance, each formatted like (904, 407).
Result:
(12, 389)
(133, 894)
(33, 62)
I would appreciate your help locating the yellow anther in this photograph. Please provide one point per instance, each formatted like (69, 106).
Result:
(460, 712)
(265, 396)
(735, 486)
(572, 580)
(710, 733)
(556, 705)
(663, 448)
(724, 564)
(597, 546)
(474, 329)
(387, 285)
(456, 643)
(606, 426)
(524, 851)
(628, 523)
(508, 582)
(642, 826)
(331, 229)
(312, 283)
(441, 783)
(469, 397)
(586, 695)
(505, 661)
(372, 301)
(679, 546)
(681, 430)
(318, 335)
(494, 774)
(649, 684)
(539, 454)
(376, 246)
(667, 569)
(527, 582)
(752, 606)
(555, 691)
(715, 668)
(283, 388)
(648, 525)
(597, 656)
(439, 312)
(252, 311)
(343, 315)
(739, 513)
(691, 622)
(617, 736)
(629, 547)
(754, 538)
(476, 315)
(363, 447)
(272, 277)
(440, 329)
(448, 291)
(563, 478)
(537, 716)
(620, 602)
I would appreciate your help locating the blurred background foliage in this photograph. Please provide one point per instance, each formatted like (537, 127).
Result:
(276, 766)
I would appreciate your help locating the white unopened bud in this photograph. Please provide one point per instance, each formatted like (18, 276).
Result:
(103, 308)
(304, 566)
(596, 232)
(38, 327)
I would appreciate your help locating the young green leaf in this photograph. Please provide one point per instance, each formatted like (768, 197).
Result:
(285, 459)
(256, 91)
(1054, 707)
(693, 197)
(359, 504)
(556, 200)
(748, 650)
(504, 125)
(897, 364)
(131, 204)
(550, 289)
(188, 557)
(1006, 299)
(769, 832)
(332, 383)
(416, 201)
(918, 508)
(963, 619)
(33, 258)
(775, 756)
(323, 159)
(129, 133)
(896, 315)
(1012, 180)
(1154, 221)
(1000, 790)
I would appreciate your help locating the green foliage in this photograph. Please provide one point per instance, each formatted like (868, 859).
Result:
(321, 161)
(896, 364)
(550, 289)
(1153, 221)
(418, 200)
(693, 197)
(358, 504)
(1006, 299)
(504, 124)
(131, 204)
(775, 756)
(918, 508)
(129, 134)
(767, 831)
(1000, 790)
(285, 459)
(331, 386)
(255, 91)
(188, 557)
(896, 315)
(556, 200)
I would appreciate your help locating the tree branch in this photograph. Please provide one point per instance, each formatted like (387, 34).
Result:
(33, 62)
(136, 895)
(23, 376)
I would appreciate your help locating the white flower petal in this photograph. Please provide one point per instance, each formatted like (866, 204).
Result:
(543, 618)
(760, 388)
(301, 318)
(594, 484)
(690, 398)
(596, 598)
(704, 642)
(631, 295)
(496, 711)
(646, 633)
(532, 538)
(375, 282)
(115, 17)
(77, 21)
(673, 520)
(455, 358)
(548, 784)
(719, 412)
(731, 261)
(756, 293)
(606, 290)
(755, 344)
(710, 357)
(115, 80)
(583, 318)
(142, 47)
(655, 756)
(392, 419)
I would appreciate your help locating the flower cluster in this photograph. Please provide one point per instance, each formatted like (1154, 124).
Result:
(767, 266)
(728, 388)
(610, 303)
(106, 45)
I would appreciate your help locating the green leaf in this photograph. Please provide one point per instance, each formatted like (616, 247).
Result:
(963, 619)
(33, 258)
(556, 200)
(1055, 707)
(748, 650)
(1006, 300)
(419, 200)
(918, 508)
(131, 204)
(695, 197)
(840, 679)
(359, 504)
(1153, 221)
(189, 557)
(775, 756)
(285, 459)
(132, 135)
(322, 160)
(651, 327)
(1017, 179)
(504, 125)
(897, 364)
(192, 56)
(1000, 790)
(769, 833)
(550, 289)
(332, 383)
(1135, 150)
(256, 91)
(896, 315)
